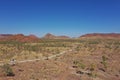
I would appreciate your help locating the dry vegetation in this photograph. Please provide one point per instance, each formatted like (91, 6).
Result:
(23, 51)
(88, 59)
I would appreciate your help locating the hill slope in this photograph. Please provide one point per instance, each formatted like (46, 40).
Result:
(51, 36)
(18, 37)
(101, 35)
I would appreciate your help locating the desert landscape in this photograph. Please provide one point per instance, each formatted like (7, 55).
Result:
(88, 57)
(59, 39)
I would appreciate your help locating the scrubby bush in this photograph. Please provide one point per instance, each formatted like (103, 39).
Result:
(92, 67)
(79, 64)
(8, 70)
(94, 75)
(104, 58)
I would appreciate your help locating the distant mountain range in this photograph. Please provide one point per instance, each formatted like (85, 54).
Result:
(101, 35)
(51, 36)
(18, 37)
(33, 38)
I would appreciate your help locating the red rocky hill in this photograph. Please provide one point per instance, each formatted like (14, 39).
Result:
(51, 36)
(18, 37)
(101, 35)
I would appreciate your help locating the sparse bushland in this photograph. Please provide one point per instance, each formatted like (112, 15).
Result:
(24, 50)
(86, 56)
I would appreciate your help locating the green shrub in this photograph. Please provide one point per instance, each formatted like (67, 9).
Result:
(8, 70)
(79, 64)
(92, 67)
(104, 64)
(94, 75)
(104, 58)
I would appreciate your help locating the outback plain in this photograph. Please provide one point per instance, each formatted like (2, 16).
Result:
(88, 57)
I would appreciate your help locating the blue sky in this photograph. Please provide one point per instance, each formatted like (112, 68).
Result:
(59, 17)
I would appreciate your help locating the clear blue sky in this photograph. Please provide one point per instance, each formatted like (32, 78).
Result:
(60, 17)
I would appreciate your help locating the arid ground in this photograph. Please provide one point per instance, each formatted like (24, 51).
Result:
(61, 59)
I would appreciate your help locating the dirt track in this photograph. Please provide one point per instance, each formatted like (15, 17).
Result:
(44, 58)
